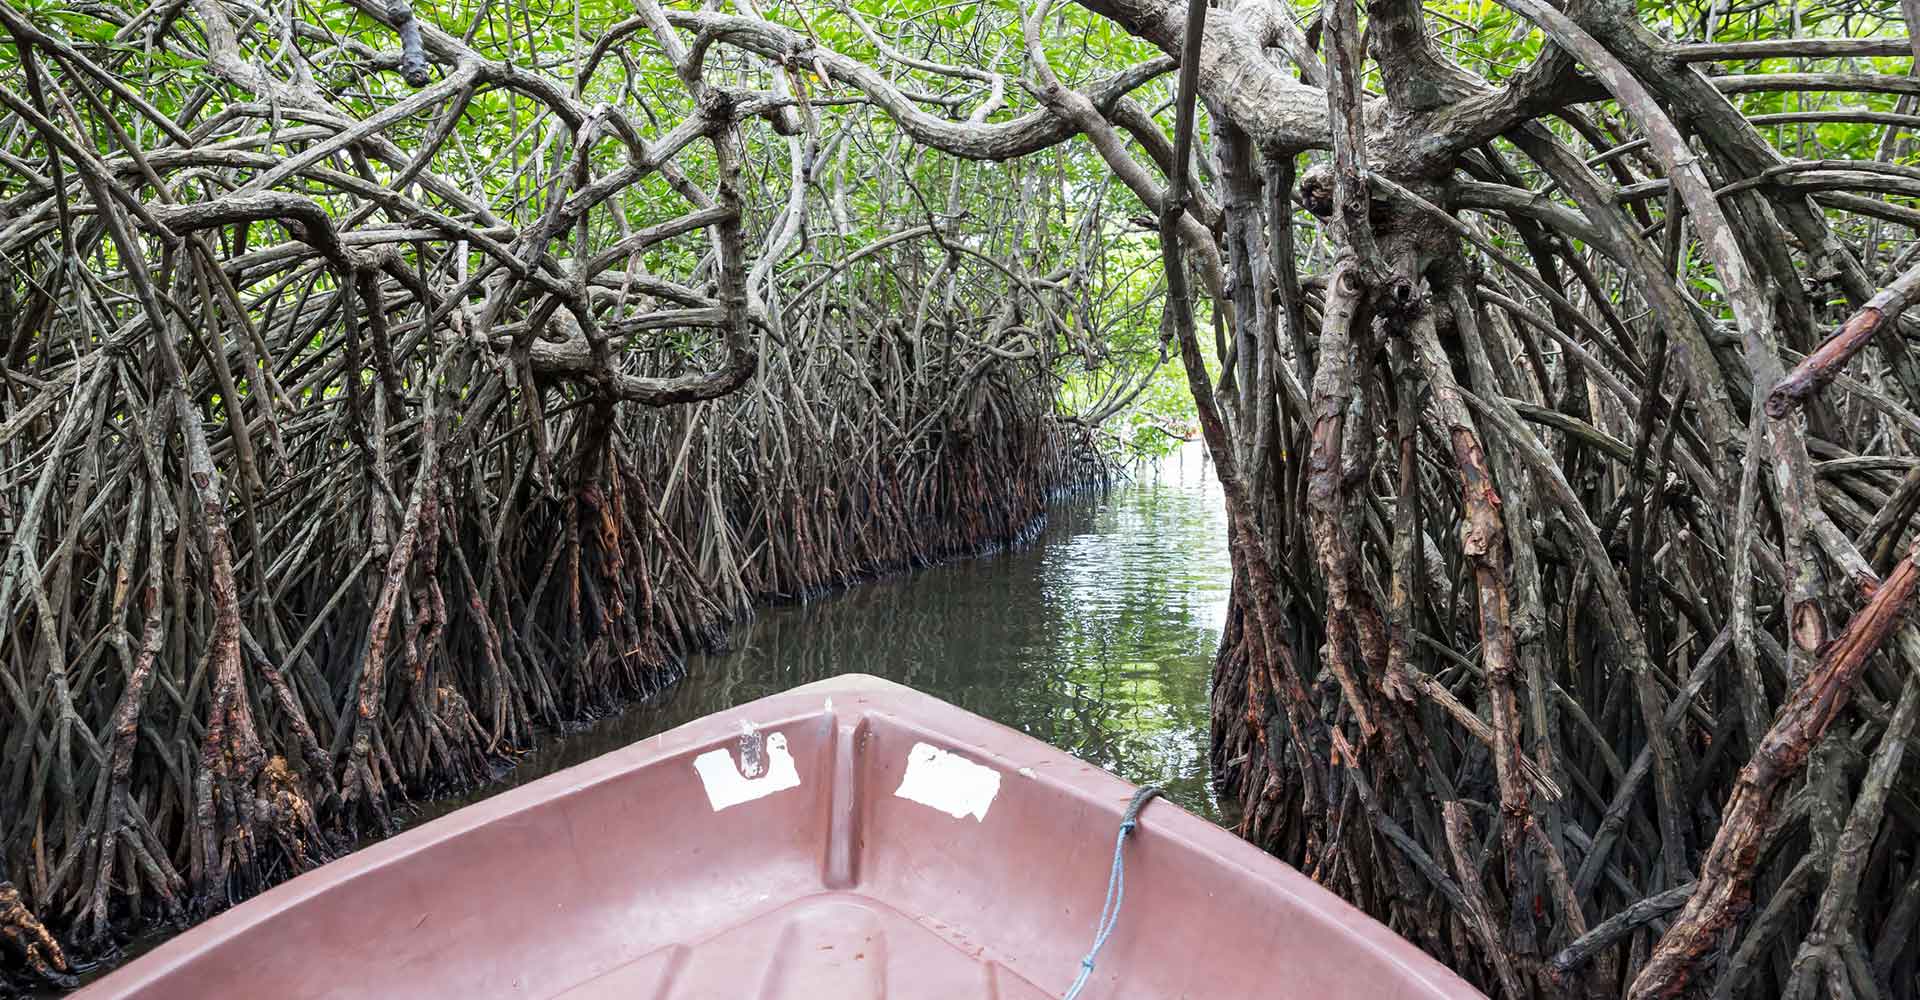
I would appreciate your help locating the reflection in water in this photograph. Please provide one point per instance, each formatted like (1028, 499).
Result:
(1098, 638)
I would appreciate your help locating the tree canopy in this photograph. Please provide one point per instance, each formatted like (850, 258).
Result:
(383, 382)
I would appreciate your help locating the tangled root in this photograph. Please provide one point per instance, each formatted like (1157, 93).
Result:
(25, 934)
(456, 717)
(288, 813)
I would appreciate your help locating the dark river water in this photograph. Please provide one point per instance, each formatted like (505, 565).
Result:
(1097, 638)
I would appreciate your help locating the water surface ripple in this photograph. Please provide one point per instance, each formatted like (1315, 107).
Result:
(1098, 638)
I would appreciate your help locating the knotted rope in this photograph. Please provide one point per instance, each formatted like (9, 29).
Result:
(1116, 888)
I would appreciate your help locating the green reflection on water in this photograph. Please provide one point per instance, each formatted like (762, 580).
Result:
(1098, 638)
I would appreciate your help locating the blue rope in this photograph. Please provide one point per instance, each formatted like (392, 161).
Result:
(1116, 889)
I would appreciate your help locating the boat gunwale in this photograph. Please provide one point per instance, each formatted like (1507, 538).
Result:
(866, 698)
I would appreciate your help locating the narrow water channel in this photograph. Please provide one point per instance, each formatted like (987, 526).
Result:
(1097, 638)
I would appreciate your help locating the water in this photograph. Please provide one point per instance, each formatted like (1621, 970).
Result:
(1098, 639)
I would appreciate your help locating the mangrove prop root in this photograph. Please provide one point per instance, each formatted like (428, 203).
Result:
(374, 395)
(1519, 528)
(1727, 871)
(306, 510)
(26, 936)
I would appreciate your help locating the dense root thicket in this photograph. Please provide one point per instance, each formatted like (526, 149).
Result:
(353, 429)
(1571, 632)
(334, 465)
